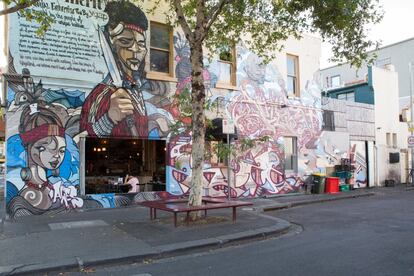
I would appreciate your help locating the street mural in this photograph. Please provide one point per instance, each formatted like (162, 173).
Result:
(125, 104)
(106, 45)
(359, 162)
(260, 108)
(87, 77)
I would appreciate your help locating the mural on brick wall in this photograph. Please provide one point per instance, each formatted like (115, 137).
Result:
(42, 156)
(125, 103)
(359, 162)
(101, 52)
(260, 108)
(106, 44)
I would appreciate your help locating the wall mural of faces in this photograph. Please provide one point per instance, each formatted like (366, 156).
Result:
(43, 154)
(48, 152)
(130, 46)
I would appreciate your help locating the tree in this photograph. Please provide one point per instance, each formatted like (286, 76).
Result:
(23, 8)
(263, 25)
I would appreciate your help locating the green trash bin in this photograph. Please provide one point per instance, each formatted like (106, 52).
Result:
(318, 183)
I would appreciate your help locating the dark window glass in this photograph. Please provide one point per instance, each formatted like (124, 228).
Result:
(160, 61)
(160, 36)
(225, 54)
(328, 120)
(347, 97)
(160, 48)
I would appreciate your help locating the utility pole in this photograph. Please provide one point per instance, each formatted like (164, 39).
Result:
(228, 168)
(410, 65)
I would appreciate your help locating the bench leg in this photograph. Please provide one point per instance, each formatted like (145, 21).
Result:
(234, 214)
(155, 213)
(188, 218)
(175, 219)
(151, 217)
(205, 212)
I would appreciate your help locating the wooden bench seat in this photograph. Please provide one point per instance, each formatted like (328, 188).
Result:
(171, 205)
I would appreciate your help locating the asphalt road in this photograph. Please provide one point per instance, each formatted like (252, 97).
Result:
(365, 236)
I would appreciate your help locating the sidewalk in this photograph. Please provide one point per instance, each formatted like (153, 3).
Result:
(36, 243)
(292, 200)
(76, 240)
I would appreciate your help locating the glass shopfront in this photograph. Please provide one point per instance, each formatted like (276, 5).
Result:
(124, 165)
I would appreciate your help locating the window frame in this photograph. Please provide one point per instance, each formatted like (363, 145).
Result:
(331, 80)
(294, 155)
(347, 97)
(233, 69)
(394, 140)
(388, 139)
(161, 75)
(296, 76)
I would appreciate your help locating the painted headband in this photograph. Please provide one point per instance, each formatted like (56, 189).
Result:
(40, 132)
(121, 26)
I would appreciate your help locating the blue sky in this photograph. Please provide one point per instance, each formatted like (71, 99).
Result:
(397, 25)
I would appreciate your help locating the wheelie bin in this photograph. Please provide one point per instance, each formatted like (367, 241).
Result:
(318, 183)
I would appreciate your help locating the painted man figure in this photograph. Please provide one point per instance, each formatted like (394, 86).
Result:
(116, 107)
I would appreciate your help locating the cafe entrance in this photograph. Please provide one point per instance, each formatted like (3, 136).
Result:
(124, 165)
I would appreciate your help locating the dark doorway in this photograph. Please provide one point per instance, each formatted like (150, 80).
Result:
(112, 163)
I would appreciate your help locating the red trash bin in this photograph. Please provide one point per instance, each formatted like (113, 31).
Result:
(332, 185)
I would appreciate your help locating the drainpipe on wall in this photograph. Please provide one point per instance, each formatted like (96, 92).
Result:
(410, 66)
(376, 178)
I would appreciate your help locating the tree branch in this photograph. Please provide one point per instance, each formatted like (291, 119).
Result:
(199, 32)
(211, 18)
(183, 22)
(18, 7)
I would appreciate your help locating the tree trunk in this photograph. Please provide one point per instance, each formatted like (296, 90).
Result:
(198, 120)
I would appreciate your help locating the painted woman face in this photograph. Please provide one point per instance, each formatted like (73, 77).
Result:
(131, 48)
(48, 152)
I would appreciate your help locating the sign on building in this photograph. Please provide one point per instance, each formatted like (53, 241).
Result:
(410, 141)
(228, 126)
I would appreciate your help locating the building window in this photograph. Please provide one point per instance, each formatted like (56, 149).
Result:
(394, 140)
(161, 48)
(388, 139)
(328, 120)
(291, 154)
(227, 66)
(292, 63)
(336, 81)
(347, 97)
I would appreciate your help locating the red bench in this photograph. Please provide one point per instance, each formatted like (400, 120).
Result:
(172, 205)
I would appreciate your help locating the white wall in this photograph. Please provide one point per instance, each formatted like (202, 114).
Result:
(308, 49)
(385, 84)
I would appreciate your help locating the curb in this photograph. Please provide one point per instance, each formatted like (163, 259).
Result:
(281, 227)
(312, 201)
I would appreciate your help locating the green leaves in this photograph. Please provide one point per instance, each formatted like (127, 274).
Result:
(24, 9)
(239, 148)
(263, 25)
